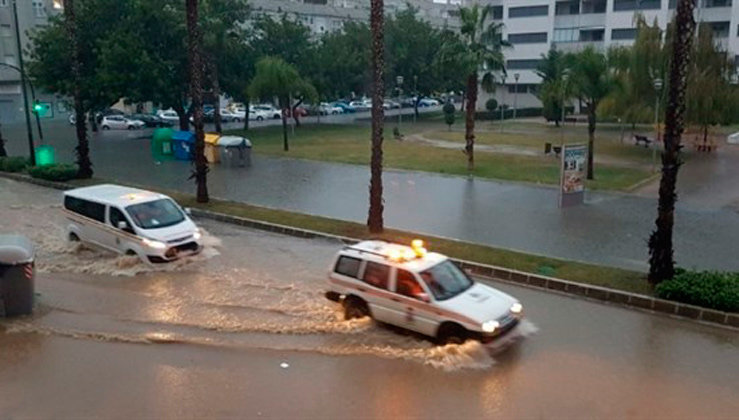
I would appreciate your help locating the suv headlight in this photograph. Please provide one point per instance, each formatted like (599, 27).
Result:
(490, 326)
(197, 234)
(516, 308)
(154, 244)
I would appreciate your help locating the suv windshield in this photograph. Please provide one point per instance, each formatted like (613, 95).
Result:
(446, 280)
(155, 214)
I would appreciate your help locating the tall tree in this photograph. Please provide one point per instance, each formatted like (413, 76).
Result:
(553, 91)
(83, 147)
(661, 253)
(593, 80)
(343, 61)
(376, 207)
(194, 41)
(481, 51)
(275, 77)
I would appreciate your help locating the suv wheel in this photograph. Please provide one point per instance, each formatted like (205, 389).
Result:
(260, 118)
(105, 127)
(451, 334)
(355, 307)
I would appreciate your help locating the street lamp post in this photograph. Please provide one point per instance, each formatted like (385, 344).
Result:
(658, 89)
(23, 85)
(565, 78)
(502, 105)
(515, 95)
(399, 81)
(415, 92)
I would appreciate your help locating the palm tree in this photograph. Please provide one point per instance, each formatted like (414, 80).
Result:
(275, 77)
(661, 254)
(480, 51)
(592, 80)
(374, 219)
(553, 90)
(3, 153)
(83, 146)
(196, 96)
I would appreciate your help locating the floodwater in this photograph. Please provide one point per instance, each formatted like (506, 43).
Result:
(243, 330)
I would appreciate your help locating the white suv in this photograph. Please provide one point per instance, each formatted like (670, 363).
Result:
(120, 122)
(418, 290)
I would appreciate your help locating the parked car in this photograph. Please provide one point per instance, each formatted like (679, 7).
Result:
(426, 102)
(259, 114)
(119, 122)
(361, 106)
(270, 111)
(152, 120)
(168, 115)
(228, 116)
(345, 107)
(330, 109)
(388, 104)
(238, 112)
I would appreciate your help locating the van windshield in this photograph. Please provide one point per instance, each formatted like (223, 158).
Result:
(155, 214)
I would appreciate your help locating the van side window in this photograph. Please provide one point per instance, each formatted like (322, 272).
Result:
(95, 211)
(376, 274)
(348, 266)
(117, 216)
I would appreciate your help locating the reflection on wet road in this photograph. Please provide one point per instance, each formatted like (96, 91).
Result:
(207, 337)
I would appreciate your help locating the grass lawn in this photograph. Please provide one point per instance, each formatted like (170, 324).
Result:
(350, 144)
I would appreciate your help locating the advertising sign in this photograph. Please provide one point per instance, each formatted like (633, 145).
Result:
(572, 175)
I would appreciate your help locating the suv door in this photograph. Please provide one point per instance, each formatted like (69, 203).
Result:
(375, 290)
(411, 306)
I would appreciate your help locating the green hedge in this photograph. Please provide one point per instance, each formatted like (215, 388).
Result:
(13, 164)
(59, 172)
(709, 289)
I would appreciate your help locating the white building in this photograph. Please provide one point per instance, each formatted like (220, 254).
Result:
(534, 26)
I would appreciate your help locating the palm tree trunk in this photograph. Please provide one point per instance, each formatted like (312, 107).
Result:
(246, 115)
(83, 147)
(661, 254)
(295, 115)
(217, 95)
(284, 103)
(374, 220)
(591, 138)
(196, 95)
(184, 117)
(469, 124)
(3, 152)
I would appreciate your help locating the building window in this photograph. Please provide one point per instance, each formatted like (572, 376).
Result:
(625, 5)
(530, 38)
(522, 88)
(497, 12)
(591, 35)
(528, 11)
(566, 35)
(716, 3)
(564, 8)
(623, 34)
(526, 64)
(719, 29)
(593, 7)
(39, 9)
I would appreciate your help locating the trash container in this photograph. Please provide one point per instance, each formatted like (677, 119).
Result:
(235, 151)
(211, 147)
(161, 144)
(45, 156)
(183, 145)
(16, 275)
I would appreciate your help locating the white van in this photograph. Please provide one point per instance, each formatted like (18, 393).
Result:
(132, 222)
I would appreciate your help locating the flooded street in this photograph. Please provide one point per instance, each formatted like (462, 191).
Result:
(243, 330)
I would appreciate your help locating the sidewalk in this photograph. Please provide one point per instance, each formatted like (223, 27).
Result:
(610, 229)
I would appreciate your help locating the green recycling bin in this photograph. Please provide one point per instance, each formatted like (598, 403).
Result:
(161, 144)
(45, 155)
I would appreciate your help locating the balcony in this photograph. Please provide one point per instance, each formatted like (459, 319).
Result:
(579, 21)
(579, 46)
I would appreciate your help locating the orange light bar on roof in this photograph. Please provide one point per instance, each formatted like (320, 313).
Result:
(418, 248)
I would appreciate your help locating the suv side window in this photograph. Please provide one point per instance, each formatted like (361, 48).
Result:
(116, 216)
(407, 285)
(376, 274)
(348, 266)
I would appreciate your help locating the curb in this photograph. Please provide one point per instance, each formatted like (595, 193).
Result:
(595, 293)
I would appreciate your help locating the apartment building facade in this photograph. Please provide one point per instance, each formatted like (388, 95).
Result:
(32, 14)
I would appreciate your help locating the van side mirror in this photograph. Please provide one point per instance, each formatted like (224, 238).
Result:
(188, 211)
(122, 225)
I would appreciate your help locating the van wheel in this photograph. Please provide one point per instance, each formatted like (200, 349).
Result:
(260, 118)
(450, 333)
(105, 127)
(355, 307)
(73, 237)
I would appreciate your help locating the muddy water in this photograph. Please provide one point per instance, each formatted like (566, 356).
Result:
(244, 331)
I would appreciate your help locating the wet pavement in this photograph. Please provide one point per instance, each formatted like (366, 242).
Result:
(243, 331)
(610, 229)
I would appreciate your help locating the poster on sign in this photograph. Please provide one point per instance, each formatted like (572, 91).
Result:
(572, 175)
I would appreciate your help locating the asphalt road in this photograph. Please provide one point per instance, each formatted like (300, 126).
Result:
(243, 331)
(610, 229)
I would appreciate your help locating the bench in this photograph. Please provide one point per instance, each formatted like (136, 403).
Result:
(642, 139)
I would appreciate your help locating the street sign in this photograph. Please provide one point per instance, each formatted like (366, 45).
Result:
(44, 109)
(572, 175)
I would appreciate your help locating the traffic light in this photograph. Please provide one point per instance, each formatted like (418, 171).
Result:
(37, 107)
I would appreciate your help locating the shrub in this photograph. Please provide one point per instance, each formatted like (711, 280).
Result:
(59, 172)
(13, 164)
(491, 104)
(709, 289)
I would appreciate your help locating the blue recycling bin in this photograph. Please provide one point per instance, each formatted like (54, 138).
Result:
(183, 145)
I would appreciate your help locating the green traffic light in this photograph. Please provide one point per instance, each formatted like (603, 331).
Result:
(37, 108)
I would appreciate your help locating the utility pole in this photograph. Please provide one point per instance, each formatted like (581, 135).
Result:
(657, 89)
(515, 95)
(399, 81)
(23, 85)
(502, 106)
